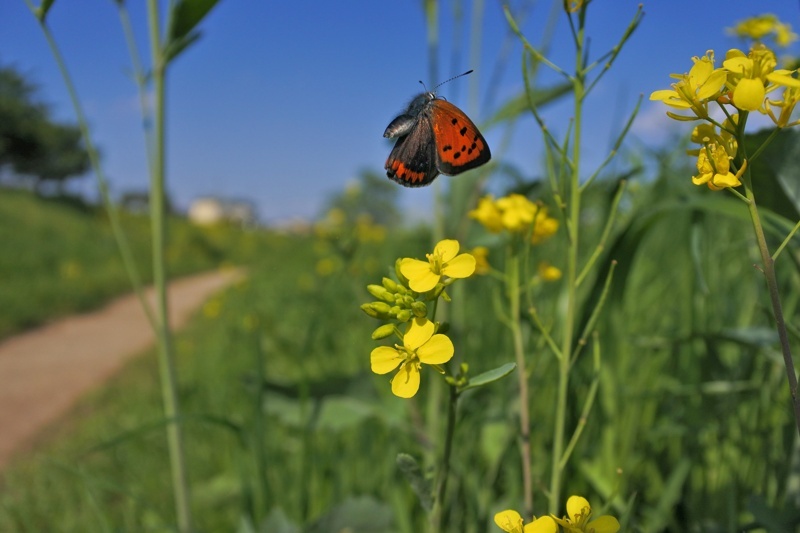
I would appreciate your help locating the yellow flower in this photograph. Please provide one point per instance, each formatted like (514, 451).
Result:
(423, 276)
(366, 230)
(694, 90)
(517, 212)
(548, 272)
(420, 345)
(786, 105)
(326, 266)
(511, 521)
(544, 226)
(577, 520)
(761, 26)
(713, 165)
(488, 214)
(481, 255)
(749, 76)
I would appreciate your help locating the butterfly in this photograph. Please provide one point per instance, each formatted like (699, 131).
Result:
(434, 137)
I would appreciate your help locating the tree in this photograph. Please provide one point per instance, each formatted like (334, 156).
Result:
(31, 144)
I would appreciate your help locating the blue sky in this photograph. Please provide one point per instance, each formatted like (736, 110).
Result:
(284, 102)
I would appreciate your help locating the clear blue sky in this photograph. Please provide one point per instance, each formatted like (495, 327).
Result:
(284, 102)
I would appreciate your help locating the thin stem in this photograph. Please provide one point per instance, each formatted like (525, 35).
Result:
(573, 231)
(587, 406)
(786, 241)
(102, 182)
(513, 292)
(437, 514)
(768, 267)
(168, 373)
(612, 215)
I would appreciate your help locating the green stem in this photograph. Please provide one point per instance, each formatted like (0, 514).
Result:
(774, 295)
(437, 514)
(169, 387)
(102, 182)
(573, 229)
(513, 291)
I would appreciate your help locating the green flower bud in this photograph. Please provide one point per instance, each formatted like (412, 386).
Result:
(404, 315)
(367, 308)
(419, 309)
(380, 293)
(408, 300)
(383, 331)
(380, 309)
(390, 285)
(394, 310)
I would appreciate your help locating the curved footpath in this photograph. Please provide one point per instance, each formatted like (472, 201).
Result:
(44, 371)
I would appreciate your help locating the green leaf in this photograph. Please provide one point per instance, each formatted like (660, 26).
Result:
(341, 413)
(364, 514)
(518, 105)
(277, 522)
(660, 517)
(490, 376)
(176, 47)
(186, 15)
(413, 474)
(44, 8)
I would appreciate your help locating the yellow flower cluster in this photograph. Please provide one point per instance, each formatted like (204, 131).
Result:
(516, 214)
(577, 520)
(419, 281)
(745, 82)
(766, 25)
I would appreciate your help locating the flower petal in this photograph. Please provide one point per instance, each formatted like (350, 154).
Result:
(438, 350)
(749, 94)
(576, 506)
(604, 524)
(509, 520)
(384, 359)
(419, 275)
(418, 332)
(405, 383)
(447, 249)
(544, 524)
(462, 266)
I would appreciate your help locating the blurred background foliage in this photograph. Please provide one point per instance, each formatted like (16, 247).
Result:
(286, 428)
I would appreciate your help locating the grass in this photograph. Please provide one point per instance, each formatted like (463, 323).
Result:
(286, 425)
(59, 256)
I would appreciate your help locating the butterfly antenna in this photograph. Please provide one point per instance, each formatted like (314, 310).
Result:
(451, 79)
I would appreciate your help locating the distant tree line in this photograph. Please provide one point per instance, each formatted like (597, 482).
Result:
(33, 147)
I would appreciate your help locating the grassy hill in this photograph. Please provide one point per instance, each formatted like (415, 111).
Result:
(59, 256)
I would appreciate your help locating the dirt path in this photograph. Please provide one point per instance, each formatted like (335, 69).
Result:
(44, 371)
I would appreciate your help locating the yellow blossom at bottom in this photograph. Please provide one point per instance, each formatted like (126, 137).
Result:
(577, 520)
(713, 165)
(511, 521)
(420, 346)
(548, 272)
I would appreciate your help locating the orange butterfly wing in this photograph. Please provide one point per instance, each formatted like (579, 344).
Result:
(459, 144)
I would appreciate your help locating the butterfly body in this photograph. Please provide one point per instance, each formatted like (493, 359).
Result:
(433, 137)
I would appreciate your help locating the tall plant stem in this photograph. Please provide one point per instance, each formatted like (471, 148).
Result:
(169, 387)
(102, 182)
(437, 513)
(513, 289)
(768, 265)
(573, 229)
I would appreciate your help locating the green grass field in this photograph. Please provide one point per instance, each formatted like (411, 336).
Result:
(60, 257)
(690, 431)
